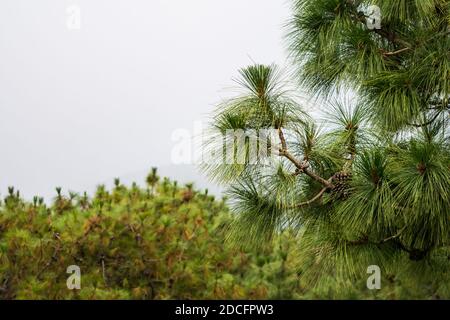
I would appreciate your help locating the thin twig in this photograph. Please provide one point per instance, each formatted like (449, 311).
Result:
(394, 236)
(393, 53)
(103, 271)
(282, 139)
(307, 203)
(426, 123)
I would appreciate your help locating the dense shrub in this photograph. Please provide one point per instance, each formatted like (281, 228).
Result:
(163, 242)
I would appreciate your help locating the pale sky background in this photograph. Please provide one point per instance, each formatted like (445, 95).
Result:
(80, 107)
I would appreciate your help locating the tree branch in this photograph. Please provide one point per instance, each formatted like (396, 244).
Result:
(282, 139)
(393, 53)
(301, 166)
(414, 254)
(394, 236)
(419, 125)
(307, 203)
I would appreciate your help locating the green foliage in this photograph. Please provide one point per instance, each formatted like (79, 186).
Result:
(370, 185)
(401, 71)
(318, 205)
(265, 102)
(128, 245)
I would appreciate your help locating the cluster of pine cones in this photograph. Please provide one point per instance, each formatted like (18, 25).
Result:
(341, 182)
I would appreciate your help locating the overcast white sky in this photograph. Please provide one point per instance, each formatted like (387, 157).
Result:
(80, 107)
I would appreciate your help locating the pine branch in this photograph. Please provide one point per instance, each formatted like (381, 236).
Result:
(301, 166)
(407, 46)
(314, 199)
(394, 236)
(282, 139)
(420, 125)
(393, 53)
(365, 240)
(414, 254)
(362, 241)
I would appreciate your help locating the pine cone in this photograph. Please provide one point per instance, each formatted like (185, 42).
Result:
(341, 181)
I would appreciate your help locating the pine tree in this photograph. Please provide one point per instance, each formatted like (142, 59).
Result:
(152, 179)
(129, 246)
(371, 184)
